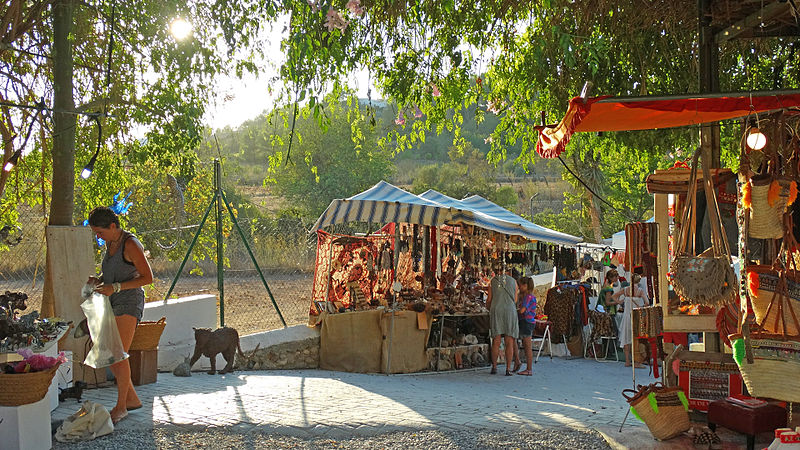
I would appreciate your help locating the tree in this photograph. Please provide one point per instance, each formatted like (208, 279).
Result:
(336, 164)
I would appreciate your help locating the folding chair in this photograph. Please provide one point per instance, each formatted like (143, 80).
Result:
(544, 337)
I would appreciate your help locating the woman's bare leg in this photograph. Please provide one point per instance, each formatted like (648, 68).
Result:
(126, 394)
(527, 343)
(495, 350)
(510, 342)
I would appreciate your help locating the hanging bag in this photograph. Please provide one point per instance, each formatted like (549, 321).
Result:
(664, 410)
(706, 278)
(769, 356)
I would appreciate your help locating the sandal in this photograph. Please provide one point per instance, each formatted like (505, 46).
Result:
(526, 373)
(117, 419)
(516, 368)
(509, 374)
(493, 371)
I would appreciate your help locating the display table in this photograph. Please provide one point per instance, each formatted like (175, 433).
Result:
(21, 426)
(374, 341)
(50, 348)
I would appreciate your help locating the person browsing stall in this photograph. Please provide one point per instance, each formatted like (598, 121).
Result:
(607, 298)
(125, 271)
(634, 298)
(503, 323)
(526, 318)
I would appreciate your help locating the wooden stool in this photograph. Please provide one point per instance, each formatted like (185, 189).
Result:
(742, 419)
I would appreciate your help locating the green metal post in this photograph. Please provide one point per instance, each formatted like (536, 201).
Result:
(191, 246)
(252, 257)
(220, 253)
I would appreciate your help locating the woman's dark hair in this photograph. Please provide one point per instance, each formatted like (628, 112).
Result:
(611, 274)
(103, 217)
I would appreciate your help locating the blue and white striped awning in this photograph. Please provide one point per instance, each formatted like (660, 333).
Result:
(537, 232)
(384, 203)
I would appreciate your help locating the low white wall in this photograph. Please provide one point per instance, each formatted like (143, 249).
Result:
(177, 341)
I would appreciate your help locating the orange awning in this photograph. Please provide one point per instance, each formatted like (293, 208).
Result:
(645, 113)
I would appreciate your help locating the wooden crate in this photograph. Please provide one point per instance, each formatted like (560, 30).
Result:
(144, 366)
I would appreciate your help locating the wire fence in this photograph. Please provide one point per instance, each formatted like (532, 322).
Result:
(283, 248)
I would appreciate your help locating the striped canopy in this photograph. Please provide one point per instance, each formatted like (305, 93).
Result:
(384, 203)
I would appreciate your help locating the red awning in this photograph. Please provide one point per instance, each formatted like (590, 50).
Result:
(645, 113)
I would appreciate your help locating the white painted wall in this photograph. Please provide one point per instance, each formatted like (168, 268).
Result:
(177, 341)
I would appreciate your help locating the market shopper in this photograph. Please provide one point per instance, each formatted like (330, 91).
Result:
(526, 316)
(607, 298)
(503, 321)
(125, 271)
(638, 299)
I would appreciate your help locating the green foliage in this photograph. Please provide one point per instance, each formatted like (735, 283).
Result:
(335, 164)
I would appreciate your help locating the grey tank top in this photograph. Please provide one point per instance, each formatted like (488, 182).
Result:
(117, 270)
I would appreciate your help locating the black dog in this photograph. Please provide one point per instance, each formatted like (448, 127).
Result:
(72, 392)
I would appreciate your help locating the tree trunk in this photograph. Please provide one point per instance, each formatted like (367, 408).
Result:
(594, 215)
(62, 197)
(64, 124)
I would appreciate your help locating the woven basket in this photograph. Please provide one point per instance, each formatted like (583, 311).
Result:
(775, 370)
(765, 294)
(148, 334)
(665, 411)
(24, 388)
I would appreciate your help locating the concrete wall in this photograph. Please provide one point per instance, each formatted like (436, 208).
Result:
(177, 340)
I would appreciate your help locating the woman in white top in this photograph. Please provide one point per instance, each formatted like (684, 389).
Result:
(637, 300)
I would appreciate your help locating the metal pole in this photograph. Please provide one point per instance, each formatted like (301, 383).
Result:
(191, 246)
(252, 257)
(394, 298)
(220, 252)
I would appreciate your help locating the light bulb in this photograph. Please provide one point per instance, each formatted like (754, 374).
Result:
(180, 29)
(86, 173)
(755, 139)
(89, 168)
(12, 161)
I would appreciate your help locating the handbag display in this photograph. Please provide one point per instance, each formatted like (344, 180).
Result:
(706, 278)
(664, 410)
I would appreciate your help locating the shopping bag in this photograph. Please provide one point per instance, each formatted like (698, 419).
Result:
(107, 348)
(91, 421)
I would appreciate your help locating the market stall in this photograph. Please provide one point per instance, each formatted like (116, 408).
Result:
(427, 268)
(702, 219)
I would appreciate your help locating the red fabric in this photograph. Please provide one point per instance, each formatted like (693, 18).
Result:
(347, 260)
(677, 339)
(605, 114)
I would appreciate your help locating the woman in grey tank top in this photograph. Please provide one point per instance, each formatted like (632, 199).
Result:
(125, 271)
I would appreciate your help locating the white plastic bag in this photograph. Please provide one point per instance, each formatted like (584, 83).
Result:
(107, 348)
(91, 421)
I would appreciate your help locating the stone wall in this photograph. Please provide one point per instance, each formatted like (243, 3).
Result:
(290, 348)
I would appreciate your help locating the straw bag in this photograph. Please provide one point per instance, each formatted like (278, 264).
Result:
(24, 388)
(706, 278)
(774, 297)
(768, 200)
(665, 411)
(773, 373)
(148, 334)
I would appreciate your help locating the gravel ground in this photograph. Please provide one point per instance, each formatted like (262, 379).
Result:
(220, 438)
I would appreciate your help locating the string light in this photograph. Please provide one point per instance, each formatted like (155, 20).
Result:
(88, 168)
(755, 139)
(12, 161)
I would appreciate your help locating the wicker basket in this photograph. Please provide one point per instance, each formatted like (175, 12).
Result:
(24, 388)
(775, 368)
(665, 411)
(147, 334)
(786, 308)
